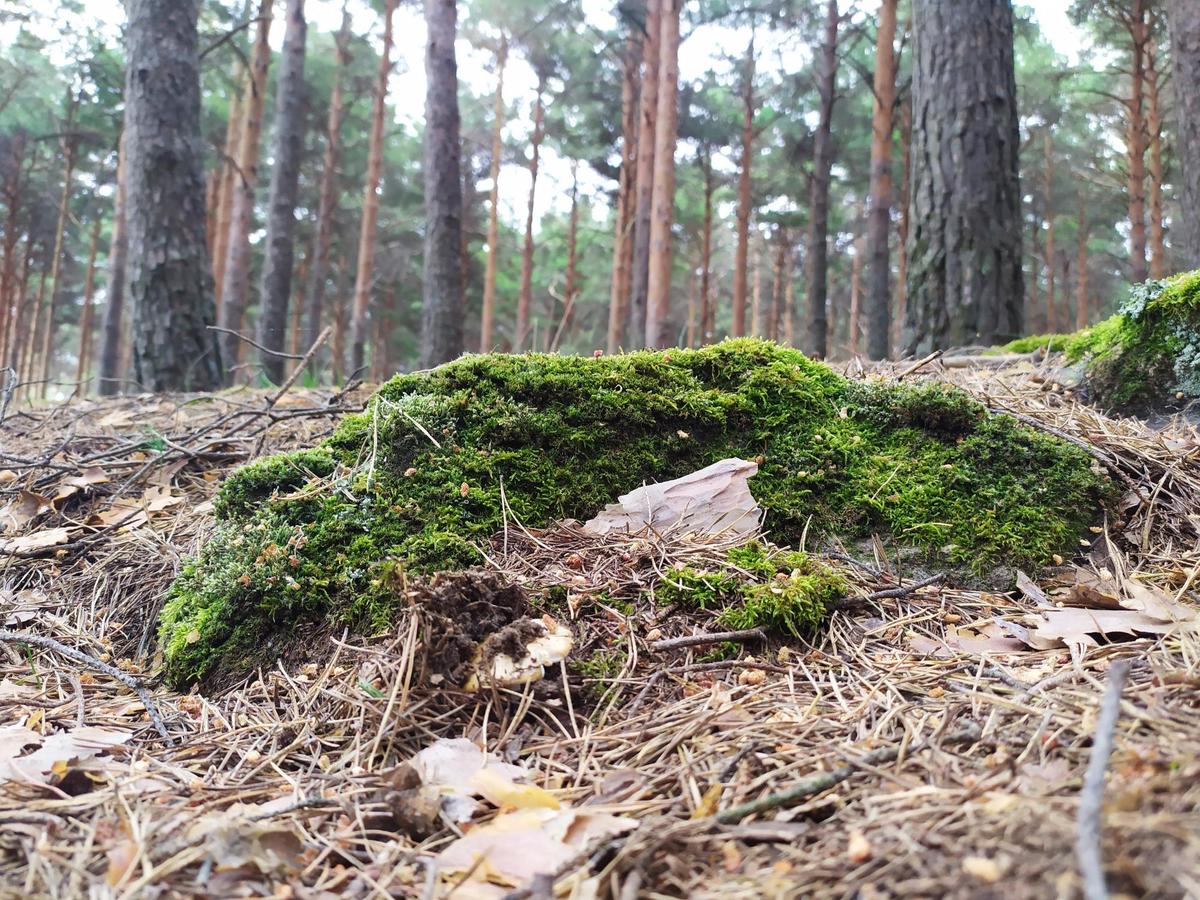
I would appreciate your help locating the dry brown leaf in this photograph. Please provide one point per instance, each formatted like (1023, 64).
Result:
(8, 476)
(24, 509)
(39, 540)
(55, 750)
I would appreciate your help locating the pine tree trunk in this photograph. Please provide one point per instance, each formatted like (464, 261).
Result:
(706, 305)
(856, 267)
(819, 197)
(777, 289)
(60, 230)
(86, 317)
(964, 246)
(744, 200)
(13, 198)
(658, 284)
(236, 273)
(340, 320)
(219, 245)
(1158, 251)
(28, 356)
(902, 228)
(525, 294)
(370, 208)
(571, 286)
(111, 376)
(170, 282)
(1034, 308)
(644, 181)
(1048, 188)
(1135, 142)
(618, 299)
(756, 310)
(279, 254)
(879, 224)
(693, 308)
(20, 312)
(789, 304)
(488, 318)
(314, 311)
(1082, 314)
(1185, 57)
(442, 285)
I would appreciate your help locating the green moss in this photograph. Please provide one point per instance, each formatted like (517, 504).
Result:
(415, 480)
(1054, 343)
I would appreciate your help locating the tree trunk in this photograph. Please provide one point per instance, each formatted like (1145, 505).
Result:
(756, 310)
(236, 273)
(856, 267)
(1135, 142)
(618, 299)
(571, 287)
(230, 177)
(1185, 56)
(525, 296)
(902, 228)
(964, 261)
(28, 355)
(777, 291)
(879, 216)
(644, 182)
(442, 285)
(1034, 310)
(743, 208)
(370, 208)
(86, 317)
(707, 311)
(789, 304)
(19, 311)
(111, 376)
(337, 342)
(1048, 187)
(819, 197)
(487, 320)
(658, 284)
(13, 197)
(60, 231)
(318, 274)
(279, 255)
(1158, 251)
(170, 281)
(1082, 315)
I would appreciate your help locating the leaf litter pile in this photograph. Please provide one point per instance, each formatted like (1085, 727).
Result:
(929, 741)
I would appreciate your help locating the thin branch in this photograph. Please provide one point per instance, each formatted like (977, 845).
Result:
(1091, 796)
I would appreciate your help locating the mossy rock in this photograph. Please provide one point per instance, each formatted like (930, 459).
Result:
(414, 483)
(1144, 359)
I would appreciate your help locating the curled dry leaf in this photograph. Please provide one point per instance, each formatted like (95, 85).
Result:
(26, 755)
(39, 540)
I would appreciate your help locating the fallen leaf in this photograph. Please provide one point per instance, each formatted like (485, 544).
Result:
(24, 509)
(501, 791)
(8, 476)
(450, 764)
(39, 540)
(53, 750)
(708, 803)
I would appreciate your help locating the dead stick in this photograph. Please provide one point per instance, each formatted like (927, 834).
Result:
(715, 637)
(905, 590)
(1091, 796)
(301, 366)
(826, 780)
(84, 659)
(919, 364)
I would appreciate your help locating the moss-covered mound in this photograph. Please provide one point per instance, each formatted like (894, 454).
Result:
(1144, 358)
(416, 481)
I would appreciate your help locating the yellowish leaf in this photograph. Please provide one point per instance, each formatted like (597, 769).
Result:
(500, 790)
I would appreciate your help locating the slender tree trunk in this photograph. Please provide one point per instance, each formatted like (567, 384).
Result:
(279, 255)
(85, 324)
(28, 357)
(756, 310)
(1184, 26)
(902, 229)
(296, 309)
(370, 207)
(1135, 142)
(1034, 308)
(169, 277)
(20, 311)
(314, 312)
(819, 202)
(1158, 250)
(965, 282)
(1048, 187)
(212, 192)
(706, 305)
(644, 184)
(618, 299)
(789, 304)
(487, 320)
(658, 285)
(230, 177)
(777, 290)
(442, 284)
(60, 231)
(525, 295)
(571, 288)
(856, 267)
(1082, 314)
(13, 190)
(693, 307)
(879, 216)
(236, 272)
(743, 208)
(111, 376)
(340, 320)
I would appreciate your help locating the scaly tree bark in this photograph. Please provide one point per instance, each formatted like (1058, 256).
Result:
(13, 200)
(488, 317)
(170, 282)
(370, 208)
(741, 254)
(879, 300)
(60, 231)
(235, 276)
(622, 269)
(219, 228)
(902, 229)
(1154, 126)
(964, 265)
(111, 376)
(442, 285)
(707, 310)
(658, 285)
(1135, 139)
(644, 182)
(1184, 25)
(279, 255)
(819, 197)
(525, 294)
(1034, 313)
(1048, 188)
(756, 309)
(86, 317)
(314, 311)
(1082, 313)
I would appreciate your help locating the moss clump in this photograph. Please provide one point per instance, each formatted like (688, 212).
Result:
(415, 480)
(1054, 343)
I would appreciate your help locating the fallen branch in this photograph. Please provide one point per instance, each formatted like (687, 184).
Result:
(300, 366)
(715, 637)
(1091, 796)
(919, 364)
(817, 784)
(905, 590)
(84, 659)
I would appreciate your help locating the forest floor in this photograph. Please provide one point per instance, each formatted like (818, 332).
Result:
(949, 759)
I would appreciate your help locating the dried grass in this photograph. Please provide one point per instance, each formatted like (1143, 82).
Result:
(293, 765)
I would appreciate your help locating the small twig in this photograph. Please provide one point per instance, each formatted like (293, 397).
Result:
(715, 637)
(253, 343)
(300, 366)
(11, 382)
(84, 659)
(905, 590)
(1091, 796)
(701, 667)
(919, 364)
(824, 781)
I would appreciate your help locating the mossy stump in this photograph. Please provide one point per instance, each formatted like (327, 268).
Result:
(414, 483)
(1146, 358)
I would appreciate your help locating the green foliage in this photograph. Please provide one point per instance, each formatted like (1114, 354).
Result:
(1054, 343)
(415, 480)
